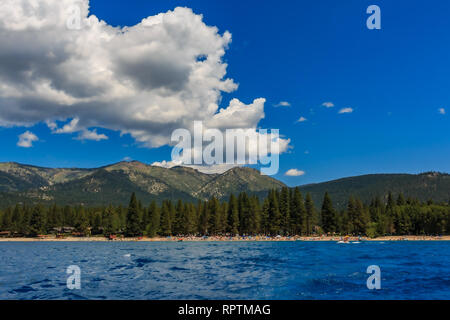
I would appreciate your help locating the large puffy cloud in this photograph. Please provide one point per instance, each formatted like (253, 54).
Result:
(145, 80)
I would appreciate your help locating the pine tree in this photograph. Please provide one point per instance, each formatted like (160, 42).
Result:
(329, 224)
(68, 217)
(361, 218)
(352, 214)
(110, 221)
(133, 226)
(223, 218)
(25, 223)
(16, 219)
(204, 219)
(390, 214)
(53, 217)
(404, 224)
(310, 217)
(265, 216)
(97, 223)
(153, 226)
(401, 200)
(178, 227)
(166, 223)
(199, 212)
(190, 219)
(37, 221)
(345, 226)
(375, 209)
(214, 222)
(7, 220)
(285, 211)
(145, 219)
(244, 213)
(233, 216)
(390, 202)
(255, 216)
(172, 214)
(298, 212)
(82, 221)
(274, 217)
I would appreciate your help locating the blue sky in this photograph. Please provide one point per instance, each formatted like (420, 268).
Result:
(305, 53)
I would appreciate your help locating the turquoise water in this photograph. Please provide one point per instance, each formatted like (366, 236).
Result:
(224, 270)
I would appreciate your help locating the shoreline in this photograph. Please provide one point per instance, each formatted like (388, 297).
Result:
(226, 239)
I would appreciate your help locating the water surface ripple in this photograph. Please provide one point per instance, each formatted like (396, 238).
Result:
(224, 270)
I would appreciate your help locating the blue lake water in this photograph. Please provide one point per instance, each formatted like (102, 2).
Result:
(224, 270)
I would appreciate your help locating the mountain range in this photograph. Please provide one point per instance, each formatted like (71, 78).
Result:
(425, 186)
(114, 183)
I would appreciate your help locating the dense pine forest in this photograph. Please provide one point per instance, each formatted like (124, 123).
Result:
(283, 212)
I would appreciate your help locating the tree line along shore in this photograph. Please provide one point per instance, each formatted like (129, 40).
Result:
(284, 214)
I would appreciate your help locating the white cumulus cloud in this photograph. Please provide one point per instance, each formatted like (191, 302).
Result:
(70, 127)
(282, 104)
(346, 110)
(26, 139)
(144, 80)
(294, 173)
(86, 134)
(441, 111)
(302, 119)
(328, 104)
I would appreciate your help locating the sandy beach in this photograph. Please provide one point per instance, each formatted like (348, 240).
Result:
(217, 238)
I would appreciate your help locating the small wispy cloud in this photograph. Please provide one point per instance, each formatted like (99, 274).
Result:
(282, 104)
(26, 139)
(91, 135)
(302, 119)
(73, 127)
(51, 125)
(442, 111)
(294, 173)
(345, 110)
(70, 127)
(328, 104)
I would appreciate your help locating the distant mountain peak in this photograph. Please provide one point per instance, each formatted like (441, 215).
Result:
(424, 186)
(113, 184)
(433, 174)
(185, 169)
